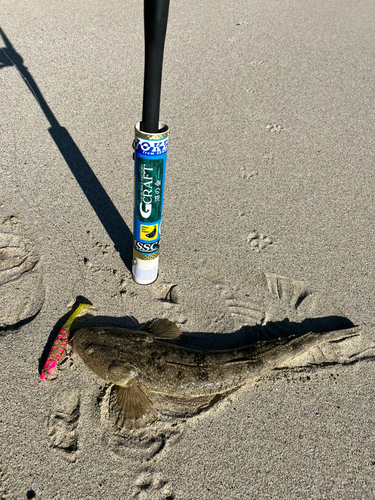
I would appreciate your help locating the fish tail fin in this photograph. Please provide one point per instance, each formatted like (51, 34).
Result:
(302, 344)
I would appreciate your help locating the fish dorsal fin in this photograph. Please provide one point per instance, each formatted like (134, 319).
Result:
(163, 329)
(137, 409)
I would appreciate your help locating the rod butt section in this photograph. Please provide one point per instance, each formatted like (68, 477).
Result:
(145, 272)
(149, 176)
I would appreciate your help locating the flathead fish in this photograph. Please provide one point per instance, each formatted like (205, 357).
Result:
(147, 365)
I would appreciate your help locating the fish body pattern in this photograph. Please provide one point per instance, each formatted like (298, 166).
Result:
(148, 364)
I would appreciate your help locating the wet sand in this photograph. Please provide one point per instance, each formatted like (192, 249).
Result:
(268, 220)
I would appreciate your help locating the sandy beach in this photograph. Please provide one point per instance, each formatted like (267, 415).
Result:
(268, 220)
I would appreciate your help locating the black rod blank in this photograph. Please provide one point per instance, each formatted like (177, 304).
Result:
(155, 22)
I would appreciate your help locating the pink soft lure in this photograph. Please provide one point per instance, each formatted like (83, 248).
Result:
(58, 349)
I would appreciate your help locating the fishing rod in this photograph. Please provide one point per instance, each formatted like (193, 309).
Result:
(150, 145)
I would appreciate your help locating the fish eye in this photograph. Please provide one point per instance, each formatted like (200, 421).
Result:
(90, 350)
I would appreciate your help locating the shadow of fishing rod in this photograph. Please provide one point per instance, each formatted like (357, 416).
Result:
(103, 206)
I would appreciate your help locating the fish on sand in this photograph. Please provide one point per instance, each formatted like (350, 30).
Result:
(147, 365)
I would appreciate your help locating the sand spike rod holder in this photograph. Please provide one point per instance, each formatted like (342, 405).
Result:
(150, 144)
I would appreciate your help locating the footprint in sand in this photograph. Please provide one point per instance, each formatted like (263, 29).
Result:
(21, 287)
(283, 306)
(142, 444)
(274, 128)
(62, 424)
(152, 486)
(245, 174)
(258, 241)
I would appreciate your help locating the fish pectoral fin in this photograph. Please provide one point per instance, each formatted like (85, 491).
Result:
(135, 405)
(163, 329)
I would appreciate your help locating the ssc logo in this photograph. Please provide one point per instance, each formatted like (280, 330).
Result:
(146, 247)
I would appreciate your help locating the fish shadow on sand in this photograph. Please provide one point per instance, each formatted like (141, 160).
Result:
(268, 331)
(245, 335)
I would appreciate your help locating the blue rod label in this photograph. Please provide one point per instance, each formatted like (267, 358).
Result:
(149, 175)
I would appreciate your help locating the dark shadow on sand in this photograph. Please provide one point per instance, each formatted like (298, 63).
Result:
(244, 336)
(101, 203)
